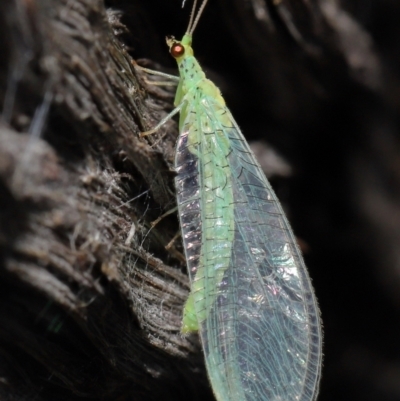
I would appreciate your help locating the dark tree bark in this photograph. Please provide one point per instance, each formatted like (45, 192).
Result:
(91, 299)
(87, 311)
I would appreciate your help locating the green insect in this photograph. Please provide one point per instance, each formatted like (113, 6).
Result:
(251, 297)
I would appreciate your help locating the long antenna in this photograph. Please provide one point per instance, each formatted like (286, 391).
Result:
(191, 16)
(201, 9)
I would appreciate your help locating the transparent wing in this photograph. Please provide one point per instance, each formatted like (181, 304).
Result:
(262, 333)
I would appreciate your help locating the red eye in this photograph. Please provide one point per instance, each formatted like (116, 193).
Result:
(177, 50)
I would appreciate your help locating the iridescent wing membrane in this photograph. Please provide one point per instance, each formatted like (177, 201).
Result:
(258, 316)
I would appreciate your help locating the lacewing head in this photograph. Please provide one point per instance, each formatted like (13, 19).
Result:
(180, 49)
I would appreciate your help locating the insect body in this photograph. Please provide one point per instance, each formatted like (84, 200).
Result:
(205, 200)
(251, 297)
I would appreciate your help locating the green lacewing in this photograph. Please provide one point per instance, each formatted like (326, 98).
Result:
(251, 297)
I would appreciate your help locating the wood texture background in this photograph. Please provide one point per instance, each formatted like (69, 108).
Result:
(90, 299)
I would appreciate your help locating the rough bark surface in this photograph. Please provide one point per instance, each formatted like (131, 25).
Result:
(90, 298)
(86, 310)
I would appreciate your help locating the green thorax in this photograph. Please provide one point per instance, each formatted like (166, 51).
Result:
(190, 72)
(193, 84)
(189, 68)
